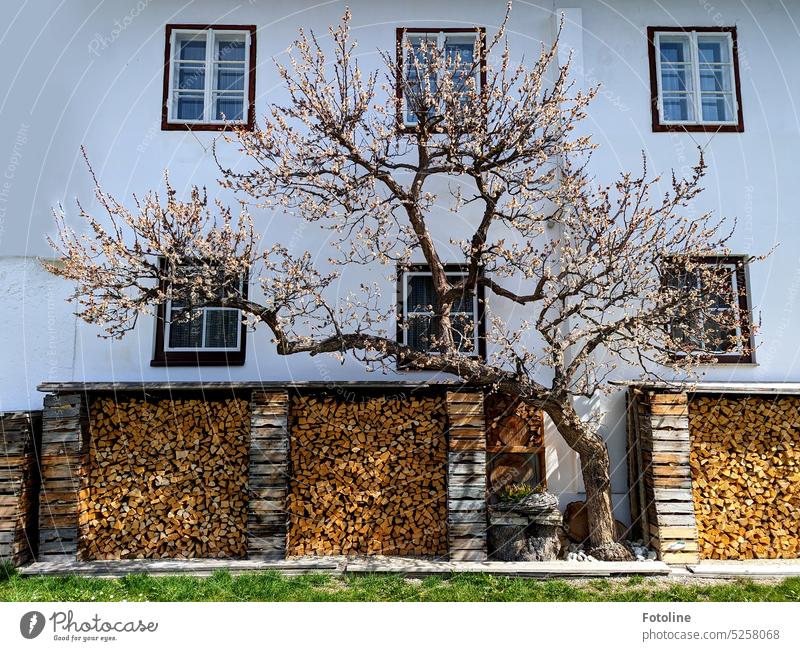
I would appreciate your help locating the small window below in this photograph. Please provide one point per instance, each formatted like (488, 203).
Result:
(459, 49)
(694, 78)
(415, 318)
(209, 77)
(197, 336)
(722, 329)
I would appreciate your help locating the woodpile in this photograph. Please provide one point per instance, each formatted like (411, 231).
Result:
(368, 477)
(165, 479)
(745, 461)
(19, 486)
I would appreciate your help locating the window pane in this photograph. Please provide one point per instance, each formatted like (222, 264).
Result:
(418, 332)
(464, 332)
(230, 48)
(222, 327)
(190, 107)
(417, 75)
(191, 77)
(420, 294)
(677, 108)
(229, 107)
(674, 49)
(186, 334)
(718, 336)
(713, 49)
(676, 77)
(715, 78)
(192, 48)
(717, 108)
(230, 77)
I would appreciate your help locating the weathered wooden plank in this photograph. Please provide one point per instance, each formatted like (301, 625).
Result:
(457, 444)
(674, 508)
(673, 494)
(475, 506)
(671, 445)
(467, 517)
(467, 555)
(680, 558)
(678, 520)
(658, 422)
(670, 410)
(461, 492)
(670, 470)
(464, 544)
(466, 457)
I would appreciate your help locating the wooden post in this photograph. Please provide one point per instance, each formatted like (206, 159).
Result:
(64, 440)
(466, 476)
(662, 448)
(20, 440)
(269, 475)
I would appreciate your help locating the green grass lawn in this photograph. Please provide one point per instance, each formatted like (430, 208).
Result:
(271, 586)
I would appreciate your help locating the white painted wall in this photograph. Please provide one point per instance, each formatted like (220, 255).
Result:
(89, 73)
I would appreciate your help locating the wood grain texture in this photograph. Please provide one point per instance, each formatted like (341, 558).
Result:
(466, 472)
(269, 475)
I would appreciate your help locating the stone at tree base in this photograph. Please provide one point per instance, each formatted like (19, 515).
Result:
(527, 530)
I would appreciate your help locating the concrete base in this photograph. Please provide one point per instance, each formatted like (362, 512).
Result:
(342, 565)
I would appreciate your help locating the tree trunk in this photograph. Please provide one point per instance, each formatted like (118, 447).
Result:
(593, 455)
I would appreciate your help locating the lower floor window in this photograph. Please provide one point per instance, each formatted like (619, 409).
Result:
(417, 326)
(209, 328)
(195, 336)
(722, 326)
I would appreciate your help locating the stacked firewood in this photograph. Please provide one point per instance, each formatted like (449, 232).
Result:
(165, 479)
(368, 477)
(19, 485)
(745, 459)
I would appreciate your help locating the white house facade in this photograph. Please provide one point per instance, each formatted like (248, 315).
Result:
(144, 87)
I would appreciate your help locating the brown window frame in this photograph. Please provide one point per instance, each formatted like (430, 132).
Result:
(162, 357)
(249, 124)
(658, 126)
(400, 63)
(739, 262)
(480, 292)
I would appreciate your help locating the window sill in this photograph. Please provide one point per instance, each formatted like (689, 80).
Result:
(231, 361)
(204, 126)
(698, 128)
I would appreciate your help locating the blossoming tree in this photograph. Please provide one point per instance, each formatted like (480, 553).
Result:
(598, 276)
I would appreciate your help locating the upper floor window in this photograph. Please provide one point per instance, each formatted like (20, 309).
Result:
(190, 336)
(416, 325)
(458, 48)
(694, 76)
(209, 76)
(722, 328)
